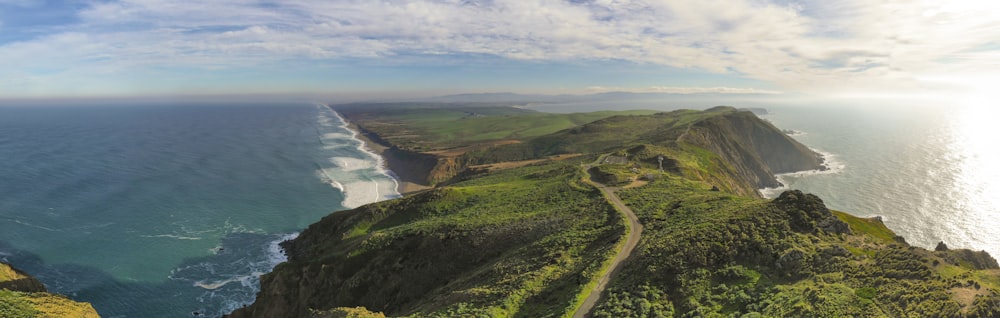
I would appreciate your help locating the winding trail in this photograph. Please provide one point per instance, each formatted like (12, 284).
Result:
(635, 230)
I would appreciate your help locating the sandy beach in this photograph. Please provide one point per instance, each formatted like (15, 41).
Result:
(406, 185)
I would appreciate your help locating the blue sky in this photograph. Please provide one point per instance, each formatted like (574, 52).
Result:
(379, 48)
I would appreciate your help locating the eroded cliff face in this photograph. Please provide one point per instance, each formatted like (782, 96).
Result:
(754, 148)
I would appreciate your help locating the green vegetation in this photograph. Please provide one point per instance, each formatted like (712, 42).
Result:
(519, 242)
(718, 255)
(874, 228)
(14, 305)
(346, 312)
(24, 296)
(529, 241)
(427, 127)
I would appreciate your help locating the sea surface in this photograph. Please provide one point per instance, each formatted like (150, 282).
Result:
(171, 210)
(931, 171)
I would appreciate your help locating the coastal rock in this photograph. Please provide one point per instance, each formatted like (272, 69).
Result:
(834, 225)
(973, 259)
(806, 212)
(15, 280)
(792, 262)
(941, 247)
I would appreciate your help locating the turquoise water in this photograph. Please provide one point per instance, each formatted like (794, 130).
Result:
(170, 210)
(930, 171)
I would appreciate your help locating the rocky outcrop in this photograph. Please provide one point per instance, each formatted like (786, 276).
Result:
(754, 148)
(972, 259)
(25, 296)
(16, 280)
(808, 214)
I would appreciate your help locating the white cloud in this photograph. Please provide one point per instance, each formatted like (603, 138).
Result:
(813, 45)
(683, 90)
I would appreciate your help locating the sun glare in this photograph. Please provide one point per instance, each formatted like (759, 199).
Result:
(975, 149)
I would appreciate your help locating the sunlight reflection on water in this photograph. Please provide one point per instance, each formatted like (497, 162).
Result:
(974, 151)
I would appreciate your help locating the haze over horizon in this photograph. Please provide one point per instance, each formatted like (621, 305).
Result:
(363, 49)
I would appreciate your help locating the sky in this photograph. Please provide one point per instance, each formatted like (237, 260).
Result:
(128, 48)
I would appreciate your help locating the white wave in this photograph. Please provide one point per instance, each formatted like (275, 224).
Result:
(218, 284)
(831, 165)
(352, 164)
(363, 192)
(337, 185)
(276, 254)
(32, 225)
(179, 237)
(335, 136)
(361, 180)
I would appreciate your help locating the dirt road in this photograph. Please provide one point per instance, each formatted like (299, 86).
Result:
(635, 230)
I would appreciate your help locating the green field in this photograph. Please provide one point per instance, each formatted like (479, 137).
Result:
(423, 127)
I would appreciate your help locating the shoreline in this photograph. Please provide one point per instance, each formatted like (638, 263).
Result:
(403, 186)
(829, 165)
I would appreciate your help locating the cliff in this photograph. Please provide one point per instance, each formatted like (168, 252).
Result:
(24, 296)
(527, 241)
(754, 148)
(730, 148)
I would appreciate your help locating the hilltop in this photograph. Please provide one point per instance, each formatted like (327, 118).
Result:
(512, 231)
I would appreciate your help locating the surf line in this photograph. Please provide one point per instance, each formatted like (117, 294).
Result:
(380, 166)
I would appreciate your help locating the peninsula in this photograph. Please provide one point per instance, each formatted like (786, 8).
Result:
(515, 213)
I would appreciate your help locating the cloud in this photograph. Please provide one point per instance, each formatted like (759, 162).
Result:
(683, 90)
(813, 45)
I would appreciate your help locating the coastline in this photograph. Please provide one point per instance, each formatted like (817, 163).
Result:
(829, 165)
(404, 184)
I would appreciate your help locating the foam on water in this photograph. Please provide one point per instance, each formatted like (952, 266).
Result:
(830, 166)
(350, 167)
(232, 280)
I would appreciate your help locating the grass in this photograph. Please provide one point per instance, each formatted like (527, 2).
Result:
(870, 226)
(422, 127)
(29, 305)
(530, 241)
(510, 243)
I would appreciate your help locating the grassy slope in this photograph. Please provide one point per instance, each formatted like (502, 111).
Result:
(720, 255)
(520, 242)
(17, 304)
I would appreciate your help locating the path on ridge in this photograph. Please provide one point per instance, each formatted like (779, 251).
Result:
(635, 230)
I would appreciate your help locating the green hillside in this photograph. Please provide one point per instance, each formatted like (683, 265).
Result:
(428, 127)
(531, 241)
(518, 242)
(22, 296)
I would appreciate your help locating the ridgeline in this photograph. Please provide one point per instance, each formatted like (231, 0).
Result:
(514, 227)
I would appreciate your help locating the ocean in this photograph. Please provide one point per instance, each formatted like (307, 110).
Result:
(929, 170)
(171, 210)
